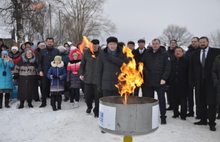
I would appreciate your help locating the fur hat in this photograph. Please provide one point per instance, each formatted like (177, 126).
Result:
(41, 44)
(61, 49)
(75, 51)
(58, 58)
(112, 39)
(95, 41)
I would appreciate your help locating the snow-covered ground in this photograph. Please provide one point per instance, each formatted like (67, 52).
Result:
(74, 125)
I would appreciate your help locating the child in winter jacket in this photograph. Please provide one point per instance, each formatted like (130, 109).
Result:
(73, 76)
(57, 74)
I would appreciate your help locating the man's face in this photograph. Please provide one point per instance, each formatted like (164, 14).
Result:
(131, 46)
(178, 53)
(155, 45)
(203, 43)
(141, 45)
(28, 46)
(95, 47)
(172, 44)
(112, 46)
(194, 42)
(49, 43)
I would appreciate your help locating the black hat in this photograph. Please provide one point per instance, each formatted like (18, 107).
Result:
(112, 39)
(141, 40)
(27, 43)
(95, 41)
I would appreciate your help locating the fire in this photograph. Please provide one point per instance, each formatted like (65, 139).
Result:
(86, 43)
(38, 6)
(130, 77)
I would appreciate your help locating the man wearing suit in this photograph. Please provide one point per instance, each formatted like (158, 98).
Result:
(200, 76)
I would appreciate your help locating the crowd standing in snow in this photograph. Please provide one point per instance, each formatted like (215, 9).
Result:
(65, 70)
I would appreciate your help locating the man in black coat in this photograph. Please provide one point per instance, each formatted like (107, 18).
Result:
(201, 78)
(138, 54)
(88, 74)
(156, 72)
(109, 63)
(178, 83)
(193, 47)
(46, 56)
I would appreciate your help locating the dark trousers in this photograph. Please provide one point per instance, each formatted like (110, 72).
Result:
(110, 93)
(149, 92)
(136, 90)
(183, 104)
(92, 93)
(208, 111)
(74, 94)
(45, 88)
(190, 100)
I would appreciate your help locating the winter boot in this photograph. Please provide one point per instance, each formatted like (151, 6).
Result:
(1, 97)
(7, 96)
(21, 104)
(53, 102)
(30, 104)
(71, 105)
(163, 120)
(76, 104)
(59, 100)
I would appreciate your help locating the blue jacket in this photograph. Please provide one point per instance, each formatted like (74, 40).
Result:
(57, 70)
(6, 81)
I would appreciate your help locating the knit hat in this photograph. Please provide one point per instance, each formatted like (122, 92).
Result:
(58, 58)
(5, 52)
(61, 49)
(14, 47)
(41, 44)
(95, 41)
(112, 39)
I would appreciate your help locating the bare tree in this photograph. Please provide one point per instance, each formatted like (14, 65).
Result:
(178, 33)
(84, 18)
(215, 38)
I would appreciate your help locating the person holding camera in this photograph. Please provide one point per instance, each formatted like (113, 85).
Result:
(6, 84)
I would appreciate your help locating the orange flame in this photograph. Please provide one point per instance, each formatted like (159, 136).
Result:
(86, 43)
(130, 77)
(38, 6)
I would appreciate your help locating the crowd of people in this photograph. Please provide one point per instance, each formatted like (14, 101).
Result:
(182, 75)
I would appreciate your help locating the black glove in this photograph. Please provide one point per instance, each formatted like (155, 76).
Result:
(56, 77)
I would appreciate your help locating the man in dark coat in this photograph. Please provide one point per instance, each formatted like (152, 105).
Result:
(46, 56)
(193, 47)
(156, 72)
(109, 63)
(178, 83)
(216, 81)
(88, 74)
(201, 78)
(170, 51)
(138, 54)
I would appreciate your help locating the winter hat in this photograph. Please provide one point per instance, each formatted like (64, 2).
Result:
(69, 42)
(72, 48)
(14, 47)
(41, 44)
(58, 58)
(112, 39)
(61, 49)
(5, 52)
(95, 41)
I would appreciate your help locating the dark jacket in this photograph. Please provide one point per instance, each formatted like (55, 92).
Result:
(65, 58)
(46, 56)
(137, 55)
(178, 80)
(57, 84)
(196, 74)
(109, 68)
(88, 66)
(26, 74)
(190, 51)
(171, 53)
(216, 77)
(156, 67)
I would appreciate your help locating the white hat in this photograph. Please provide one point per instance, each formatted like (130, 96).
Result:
(41, 44)
(72, 48)
(69, 42)
(61, 49)
(14, 47)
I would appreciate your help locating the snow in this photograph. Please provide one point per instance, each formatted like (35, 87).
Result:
(68, 125)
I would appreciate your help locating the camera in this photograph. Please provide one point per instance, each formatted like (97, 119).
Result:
(5, 56)
(4, 73)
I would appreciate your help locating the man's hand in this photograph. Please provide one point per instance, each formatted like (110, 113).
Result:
(41, 73)
(162, 82)
(81, 77)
